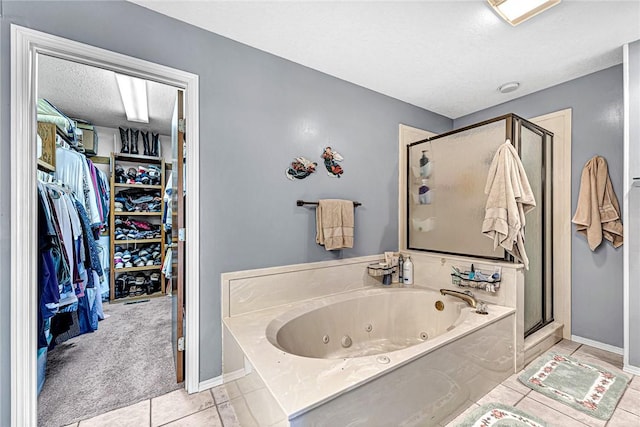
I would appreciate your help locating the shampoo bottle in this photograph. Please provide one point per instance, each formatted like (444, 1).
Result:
(407, 272)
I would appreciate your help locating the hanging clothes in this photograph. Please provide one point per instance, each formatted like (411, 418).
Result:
(69, 270)
(168, 205)
(73, 170)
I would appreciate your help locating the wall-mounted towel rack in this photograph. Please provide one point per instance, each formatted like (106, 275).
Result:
(302, 203)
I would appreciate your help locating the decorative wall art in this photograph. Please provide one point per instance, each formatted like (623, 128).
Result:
(330, 162)
(300, 168)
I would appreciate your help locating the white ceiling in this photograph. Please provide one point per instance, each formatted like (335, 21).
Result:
(91, 93)
(446, 56)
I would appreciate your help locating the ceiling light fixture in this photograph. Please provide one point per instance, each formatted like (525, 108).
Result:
(133, 92)
(517, 11)
(509, 87)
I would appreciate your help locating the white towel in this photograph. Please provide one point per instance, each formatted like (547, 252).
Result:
(334, 224)
(510, 198)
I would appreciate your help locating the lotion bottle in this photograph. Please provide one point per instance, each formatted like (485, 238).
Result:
(407, 271)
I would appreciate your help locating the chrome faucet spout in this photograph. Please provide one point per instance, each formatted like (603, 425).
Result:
(469, 299)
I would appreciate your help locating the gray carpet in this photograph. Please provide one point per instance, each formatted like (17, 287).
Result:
(127, 360)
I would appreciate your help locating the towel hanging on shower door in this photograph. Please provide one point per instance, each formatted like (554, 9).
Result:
(510, 198)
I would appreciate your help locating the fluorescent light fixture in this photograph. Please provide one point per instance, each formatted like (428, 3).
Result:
(517, 11)
(133, 92)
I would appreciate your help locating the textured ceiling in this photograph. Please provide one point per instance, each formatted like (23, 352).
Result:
(91, 93)
(446, 56)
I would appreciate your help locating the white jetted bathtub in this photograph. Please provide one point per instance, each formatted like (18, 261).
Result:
(377, 356)
(365, 324)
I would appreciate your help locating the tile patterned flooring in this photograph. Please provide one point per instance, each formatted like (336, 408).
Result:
(246, 402)
(513, 392)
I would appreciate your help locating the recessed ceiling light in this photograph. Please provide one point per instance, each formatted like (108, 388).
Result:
(517, 11)
(133, 92)
(509, 87)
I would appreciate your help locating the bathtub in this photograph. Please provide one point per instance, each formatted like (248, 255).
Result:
(377, 356)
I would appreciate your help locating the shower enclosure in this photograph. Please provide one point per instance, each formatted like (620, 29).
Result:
(446, 176)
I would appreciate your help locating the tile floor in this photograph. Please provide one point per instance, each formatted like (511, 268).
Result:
(513, 392)
(246, 402)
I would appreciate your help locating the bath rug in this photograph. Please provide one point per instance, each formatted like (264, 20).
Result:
(585, 387)
(497, 414)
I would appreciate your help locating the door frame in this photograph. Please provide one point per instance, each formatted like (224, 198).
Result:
(26, 45)
(559, 122)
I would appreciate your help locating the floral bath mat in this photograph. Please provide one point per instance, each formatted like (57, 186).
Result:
(497, 414)
(585, 387)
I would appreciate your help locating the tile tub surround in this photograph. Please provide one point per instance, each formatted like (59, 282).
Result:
(250, 290)
(239, 405)
(300, 384)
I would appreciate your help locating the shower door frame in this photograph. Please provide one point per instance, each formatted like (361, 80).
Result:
(513, 124)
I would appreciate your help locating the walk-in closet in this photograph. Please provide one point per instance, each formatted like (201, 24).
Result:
(106, 215)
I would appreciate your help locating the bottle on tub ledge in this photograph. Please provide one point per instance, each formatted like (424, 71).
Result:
(407, 272)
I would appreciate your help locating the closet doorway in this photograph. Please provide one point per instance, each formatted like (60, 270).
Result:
(121, 318)
(29, 49)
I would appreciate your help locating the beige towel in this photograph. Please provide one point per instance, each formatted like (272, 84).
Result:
(334, 224)
(598, 212)
(510, 198)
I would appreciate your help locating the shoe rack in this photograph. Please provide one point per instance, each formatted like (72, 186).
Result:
(137, 278)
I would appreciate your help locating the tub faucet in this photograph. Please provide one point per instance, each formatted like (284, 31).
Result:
(466, 297)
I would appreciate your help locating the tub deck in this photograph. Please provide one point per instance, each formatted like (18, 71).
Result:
(300, 384)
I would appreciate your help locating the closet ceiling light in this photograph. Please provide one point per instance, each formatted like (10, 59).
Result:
(133, 92)
(517, 11)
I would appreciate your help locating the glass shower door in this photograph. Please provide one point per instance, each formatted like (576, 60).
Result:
(535, 152)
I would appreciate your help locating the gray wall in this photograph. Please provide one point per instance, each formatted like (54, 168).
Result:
(634, 204)
(597, 129)
(257, 112)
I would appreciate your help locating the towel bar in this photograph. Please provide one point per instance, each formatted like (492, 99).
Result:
(302, 203)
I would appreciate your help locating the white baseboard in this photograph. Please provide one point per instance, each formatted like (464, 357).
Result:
(224, 378)
(232, 376)
(597, 344)
(631, 369)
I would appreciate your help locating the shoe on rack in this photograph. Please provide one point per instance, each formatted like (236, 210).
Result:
(120, 177)
(133, 138)
(141, 280)
(120, 286)
(154, 279)
(124, 138)
(145, 142)
(155, 144)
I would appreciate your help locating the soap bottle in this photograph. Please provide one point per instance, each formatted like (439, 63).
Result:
(425, 166)
(400, 267)
(407, 272)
